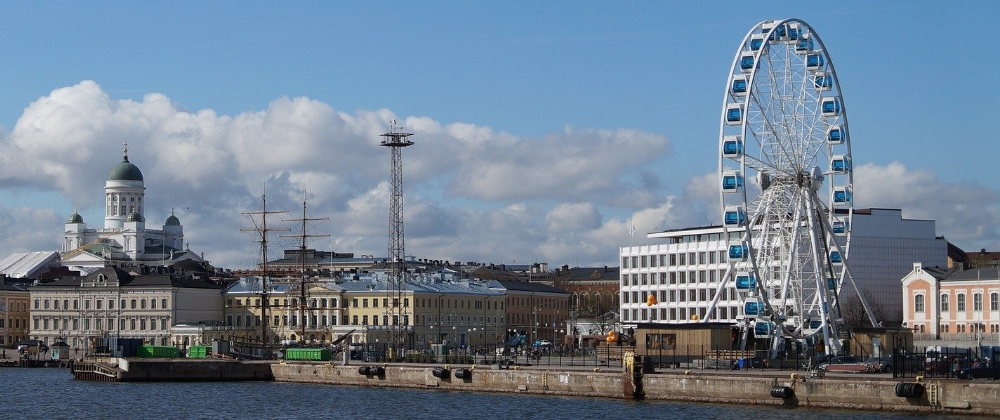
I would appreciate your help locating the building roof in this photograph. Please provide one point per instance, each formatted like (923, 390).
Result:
(28, 265)
(125, 170)
(523, 286)
(587, 273)
(115, 275)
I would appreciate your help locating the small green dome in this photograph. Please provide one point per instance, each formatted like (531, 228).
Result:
(134, 217)
(172, 221)
(75, 218)
(125, 170)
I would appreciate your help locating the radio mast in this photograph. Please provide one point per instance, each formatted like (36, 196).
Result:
(396, 318)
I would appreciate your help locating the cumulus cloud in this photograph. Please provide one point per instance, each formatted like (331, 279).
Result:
(471, 193)
(966, 214)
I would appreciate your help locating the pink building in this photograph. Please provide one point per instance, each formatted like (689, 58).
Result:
(952, 303)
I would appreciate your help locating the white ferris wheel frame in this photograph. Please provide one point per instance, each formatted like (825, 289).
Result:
(788, 235)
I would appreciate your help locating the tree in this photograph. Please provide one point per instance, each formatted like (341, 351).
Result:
(853, 313)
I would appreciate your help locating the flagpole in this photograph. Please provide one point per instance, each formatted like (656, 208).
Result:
(631, 232)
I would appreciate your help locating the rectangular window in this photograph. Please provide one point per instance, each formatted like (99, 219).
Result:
(624, 262)
(960, 302)
(977, 302)
(99, 303)
(994, 303)
(152, 304)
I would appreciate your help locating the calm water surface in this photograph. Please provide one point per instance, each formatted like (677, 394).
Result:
(52, 393)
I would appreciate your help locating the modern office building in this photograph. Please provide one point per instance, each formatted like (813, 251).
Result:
(683, 272)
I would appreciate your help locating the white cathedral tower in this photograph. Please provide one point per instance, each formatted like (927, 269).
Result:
(124, 240)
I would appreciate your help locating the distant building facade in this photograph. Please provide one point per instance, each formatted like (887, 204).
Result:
(954, 304)
(112, 302)
(684, 272)
(13, 314)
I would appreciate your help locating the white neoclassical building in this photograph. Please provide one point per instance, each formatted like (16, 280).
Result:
(125, 236)
(112, 302)
(684, 271)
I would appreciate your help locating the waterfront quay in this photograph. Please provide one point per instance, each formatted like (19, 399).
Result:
(953, 397)
(761, 387)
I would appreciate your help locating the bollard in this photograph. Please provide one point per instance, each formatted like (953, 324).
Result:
(440, 372)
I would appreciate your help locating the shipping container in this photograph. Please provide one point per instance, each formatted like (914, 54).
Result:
(308, 354)
(157, 351)
(198, 352)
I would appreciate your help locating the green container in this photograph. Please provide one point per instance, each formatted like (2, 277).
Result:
(147, 351)
(308, 354)
(198, 352)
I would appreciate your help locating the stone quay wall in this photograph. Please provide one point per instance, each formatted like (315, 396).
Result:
(850, 392)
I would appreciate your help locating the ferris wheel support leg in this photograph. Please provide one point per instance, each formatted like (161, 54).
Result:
(831, 341)
(718, 294)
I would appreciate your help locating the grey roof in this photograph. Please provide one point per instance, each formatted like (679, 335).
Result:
(12, 288)
(589, 273)
(27, 265)
(252, 285)
(125, 279)
(972, 274)
(523, 286)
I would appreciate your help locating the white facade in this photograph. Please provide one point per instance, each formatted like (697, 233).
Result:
(124, 236)
(684, 272)
(113, 303)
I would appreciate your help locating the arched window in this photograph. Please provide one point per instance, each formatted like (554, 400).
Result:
(918, 303)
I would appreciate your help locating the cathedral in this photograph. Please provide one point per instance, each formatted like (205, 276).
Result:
(125, 240)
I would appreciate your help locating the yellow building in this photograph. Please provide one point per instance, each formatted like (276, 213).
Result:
(13, 315)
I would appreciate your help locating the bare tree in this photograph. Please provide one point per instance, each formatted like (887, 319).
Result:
(853, 312)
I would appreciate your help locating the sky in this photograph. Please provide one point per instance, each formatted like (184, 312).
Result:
(543, 130)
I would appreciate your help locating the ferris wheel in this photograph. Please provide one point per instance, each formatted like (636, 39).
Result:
(786, 186)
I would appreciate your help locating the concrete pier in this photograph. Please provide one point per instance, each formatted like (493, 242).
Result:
(853, 392)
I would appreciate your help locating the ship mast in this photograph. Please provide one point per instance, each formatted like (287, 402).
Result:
(265, 281)
(303, 273)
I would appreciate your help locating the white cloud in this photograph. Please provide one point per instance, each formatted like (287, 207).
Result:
(968, 215)
(471, 193)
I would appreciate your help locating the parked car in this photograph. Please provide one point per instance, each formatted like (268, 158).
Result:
(839, 360)
(879, 364)
(980, 369)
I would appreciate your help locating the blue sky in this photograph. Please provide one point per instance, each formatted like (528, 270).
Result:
(540, 128)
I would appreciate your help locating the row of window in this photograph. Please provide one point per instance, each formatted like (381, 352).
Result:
(313, 303)
(678, 314)
(14, 306)
(14, 323)
(668, 296)
(674, 259)
(963, 328)
(977, 302)
(11, 339)
(374, 303)
(99, 303)
(73, 324)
